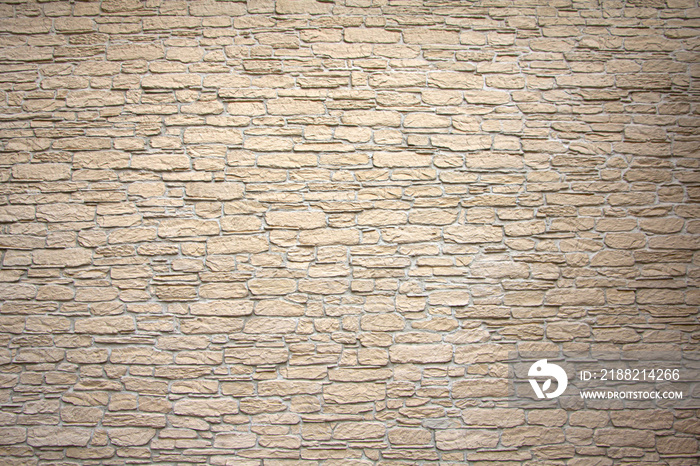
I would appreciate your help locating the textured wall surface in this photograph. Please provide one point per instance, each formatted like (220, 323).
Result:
(309, 233)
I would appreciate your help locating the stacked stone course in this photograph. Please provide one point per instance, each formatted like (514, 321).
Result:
(300, 232)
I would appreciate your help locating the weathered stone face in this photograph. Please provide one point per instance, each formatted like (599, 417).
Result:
(311, 232)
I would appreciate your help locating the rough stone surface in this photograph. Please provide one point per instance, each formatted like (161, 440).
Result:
(301, 232)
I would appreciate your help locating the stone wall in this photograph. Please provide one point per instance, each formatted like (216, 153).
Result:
(310, 233)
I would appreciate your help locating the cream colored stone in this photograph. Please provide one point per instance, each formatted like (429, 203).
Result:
(50, 436)
(296, 219)
(420, 354)
(344, 393)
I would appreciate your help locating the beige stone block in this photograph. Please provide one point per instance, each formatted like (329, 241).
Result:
(139, 355)
(55, 293)
(493, 417)
(272, 286)
(26, 54)
(12, 435)
(160, 162)
(650, 43)
(17, 291)
(660, 296)
(87, 355)
(238, 389)
(341, 50)
(178, 228)
(195, 386)
(472, 38)
(420, 354)
(235, 440)
(211, 325)
(425, 120)
(311, 7)
(677, 446)
(371, 118)
(467, 234)
(209, 135)
(267, 144)
(620, 437)
(346, 393)
(26, 25)
(609, 258)
(406, 436)
(289, 106)
(359, 430)
(440, 97)
(661, 225)
(500, 270)
(269, 325)
(296, 219)
(48, 171)
(170, 81)
(397, 80)
(283, 160)
(12, 324)
(256, 356)
(433, 216)
(105, 325)
(16, 213)
(258, 406)
(575, 297)
(132, 235)
(465, 439)
(240, 224)
(244, 108)
(130, 436)
(401, 159)
(625, 240)
(371, 35)
(133, 51)
(214, 191)
(329, 236)
(353, 134)
(273, 307)
(237, 244)
(480, 388)
(532, 435)
(78, 415)
(94, 98)
(382, 322)
(482, 352)
(430, 36)
(410, 234)
(454, 80)
(531, 228)
(486, 97)
(39, 355)
(47, 324)
(206, 407)
(71, 257)
(449, 298)
(462, 142)
(51, 436)
(200, 108)
(567, 331)
(648, 418)
(324, 287)
(381, 217)
(222, 308)
(288, 387)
